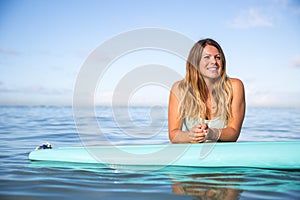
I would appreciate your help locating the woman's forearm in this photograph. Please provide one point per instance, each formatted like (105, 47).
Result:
(179, 136)
(229, 134)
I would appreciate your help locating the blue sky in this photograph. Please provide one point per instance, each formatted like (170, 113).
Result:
(43, 44)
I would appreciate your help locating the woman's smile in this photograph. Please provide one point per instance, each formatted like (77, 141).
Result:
(213, 69)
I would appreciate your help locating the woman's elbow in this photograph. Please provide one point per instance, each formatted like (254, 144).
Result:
(173, 136)
(231, 136)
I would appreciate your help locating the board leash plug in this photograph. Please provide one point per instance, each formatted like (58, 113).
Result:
(44, 146)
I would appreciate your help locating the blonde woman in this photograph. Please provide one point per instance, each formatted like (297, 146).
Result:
(206, 105)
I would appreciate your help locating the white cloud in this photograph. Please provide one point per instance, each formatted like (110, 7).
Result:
(11, 52)
(296, 10)
(296, 61)
(34, 95)
(34, 89)
(268, 98)
(251, 18)
(147, 95)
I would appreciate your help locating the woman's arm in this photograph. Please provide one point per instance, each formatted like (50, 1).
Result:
(176, 135)
(174, 121)
(234, 125)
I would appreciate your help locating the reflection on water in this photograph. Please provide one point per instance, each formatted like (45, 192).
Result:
(198, 183)
(207, 193)
(199, 188)
(234, 183)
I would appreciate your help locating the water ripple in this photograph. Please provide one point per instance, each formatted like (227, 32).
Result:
(23, 128)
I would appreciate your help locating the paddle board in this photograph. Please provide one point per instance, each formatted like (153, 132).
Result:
(269, 155)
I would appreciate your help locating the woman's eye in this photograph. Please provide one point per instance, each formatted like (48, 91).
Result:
(218, 57)
(206, 57)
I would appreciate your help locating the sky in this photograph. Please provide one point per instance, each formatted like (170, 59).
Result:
(44, 44)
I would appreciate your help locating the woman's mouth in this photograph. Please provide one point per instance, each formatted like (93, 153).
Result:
(212, 68)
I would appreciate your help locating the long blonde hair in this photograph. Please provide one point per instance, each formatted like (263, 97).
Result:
(193, 91)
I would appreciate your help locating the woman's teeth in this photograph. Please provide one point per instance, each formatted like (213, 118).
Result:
(212, 68)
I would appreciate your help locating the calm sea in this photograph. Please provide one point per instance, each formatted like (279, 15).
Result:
(24, 128)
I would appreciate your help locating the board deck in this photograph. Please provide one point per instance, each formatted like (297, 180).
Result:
(269, 155)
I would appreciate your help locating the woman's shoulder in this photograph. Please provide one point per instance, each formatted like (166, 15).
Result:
(237, 84)
(176, 85)
(177, 88)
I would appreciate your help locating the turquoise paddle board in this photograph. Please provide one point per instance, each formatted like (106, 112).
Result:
(269, 155)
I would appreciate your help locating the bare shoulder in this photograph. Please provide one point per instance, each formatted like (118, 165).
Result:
(236, 84)
(175, 86)
(175, 91)
(238, 89)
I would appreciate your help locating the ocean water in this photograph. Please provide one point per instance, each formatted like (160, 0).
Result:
(24, 128)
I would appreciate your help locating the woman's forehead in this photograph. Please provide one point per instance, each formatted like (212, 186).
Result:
(211, 50)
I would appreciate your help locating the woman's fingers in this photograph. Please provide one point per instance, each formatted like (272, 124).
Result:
(198, 133)
(204, 126)
(197, 137)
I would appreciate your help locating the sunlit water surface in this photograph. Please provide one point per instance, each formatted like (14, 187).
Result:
(23, 128)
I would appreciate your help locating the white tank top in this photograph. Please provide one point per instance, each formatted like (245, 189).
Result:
(214, 123)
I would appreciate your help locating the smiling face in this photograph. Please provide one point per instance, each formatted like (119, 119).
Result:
(210, 63)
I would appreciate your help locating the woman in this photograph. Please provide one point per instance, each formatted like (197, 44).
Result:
(206, 105)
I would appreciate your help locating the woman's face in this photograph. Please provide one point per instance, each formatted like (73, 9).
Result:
(210, 63)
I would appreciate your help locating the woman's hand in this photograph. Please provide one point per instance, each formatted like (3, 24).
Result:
(213, 134)
(198, 133)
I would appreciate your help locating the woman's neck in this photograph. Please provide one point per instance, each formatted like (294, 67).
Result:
(210, 83)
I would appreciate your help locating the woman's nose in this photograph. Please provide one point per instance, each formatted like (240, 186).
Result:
(213, 60)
